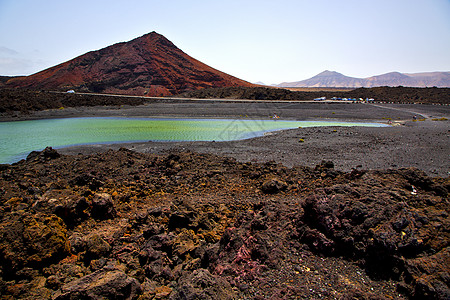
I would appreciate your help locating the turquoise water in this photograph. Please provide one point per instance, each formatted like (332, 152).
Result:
(21, 137)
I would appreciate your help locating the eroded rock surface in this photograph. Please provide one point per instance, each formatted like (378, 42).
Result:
(183, 225)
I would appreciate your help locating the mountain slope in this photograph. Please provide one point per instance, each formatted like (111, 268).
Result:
(325, 79)
(335, 79)
(149, 65)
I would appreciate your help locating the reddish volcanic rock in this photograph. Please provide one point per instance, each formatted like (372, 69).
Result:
(149, 65)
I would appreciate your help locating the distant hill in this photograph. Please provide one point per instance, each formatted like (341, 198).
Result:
(335, 79)
(149, 65)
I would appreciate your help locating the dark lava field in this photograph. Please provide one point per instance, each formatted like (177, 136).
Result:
(14, 101)
(183, 225)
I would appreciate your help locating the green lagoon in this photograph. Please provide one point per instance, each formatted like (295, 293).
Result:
(19, 138)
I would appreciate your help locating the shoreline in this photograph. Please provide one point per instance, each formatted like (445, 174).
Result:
(370, 148)
(295, 110)
(268, 216)
(420, 144)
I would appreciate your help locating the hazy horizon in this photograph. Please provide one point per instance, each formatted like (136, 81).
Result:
(253, 40)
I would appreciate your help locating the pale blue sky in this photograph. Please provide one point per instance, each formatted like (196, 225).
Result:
(269, 41)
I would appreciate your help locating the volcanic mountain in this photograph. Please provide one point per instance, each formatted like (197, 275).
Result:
(149, 65)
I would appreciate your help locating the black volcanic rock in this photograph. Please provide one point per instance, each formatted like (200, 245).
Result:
(181, 233)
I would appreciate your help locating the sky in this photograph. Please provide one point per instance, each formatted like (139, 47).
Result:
(255, 40)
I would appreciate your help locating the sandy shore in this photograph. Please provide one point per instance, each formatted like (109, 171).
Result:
(423, 144)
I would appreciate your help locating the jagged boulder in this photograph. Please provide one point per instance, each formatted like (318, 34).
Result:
(107, 283)
(389, 230)
(31, 240)
(47, 154)
(103, 207)
(201, 284)
(273, 186)
(73, 210)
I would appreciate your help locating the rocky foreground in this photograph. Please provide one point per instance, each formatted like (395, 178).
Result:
(182, 225)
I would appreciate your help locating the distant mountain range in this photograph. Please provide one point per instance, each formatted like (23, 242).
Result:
(152, 65)
(149, 65)
(335, 79)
